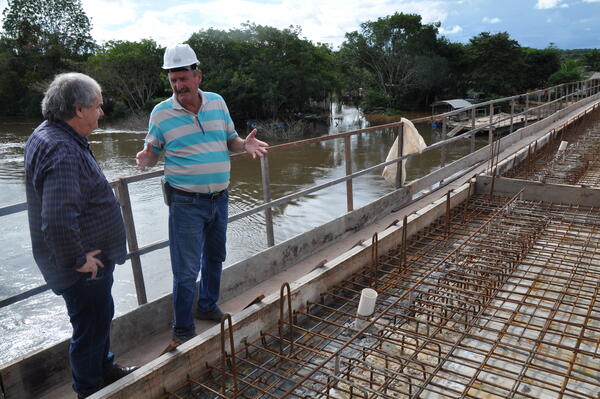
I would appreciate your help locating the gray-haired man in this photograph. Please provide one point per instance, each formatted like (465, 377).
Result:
(77, 231)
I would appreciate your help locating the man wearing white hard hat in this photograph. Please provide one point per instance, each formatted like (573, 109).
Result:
(195, 132)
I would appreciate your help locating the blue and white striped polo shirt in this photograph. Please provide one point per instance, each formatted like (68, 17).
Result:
(195, 146)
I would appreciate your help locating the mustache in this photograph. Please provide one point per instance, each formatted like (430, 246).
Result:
(182, 90)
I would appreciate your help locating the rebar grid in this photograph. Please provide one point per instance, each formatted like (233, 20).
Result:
(578, 164)
(496, 300)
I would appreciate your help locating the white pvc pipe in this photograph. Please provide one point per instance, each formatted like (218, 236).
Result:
(563, 146)
(366, 305)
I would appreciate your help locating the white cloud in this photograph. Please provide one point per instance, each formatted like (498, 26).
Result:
(110, 12)
(324, 21)
(455, 29)
(491, 20)
(591, 1)
(547, 4)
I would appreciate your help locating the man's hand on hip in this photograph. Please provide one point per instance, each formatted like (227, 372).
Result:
(146, 158)
(92, 263)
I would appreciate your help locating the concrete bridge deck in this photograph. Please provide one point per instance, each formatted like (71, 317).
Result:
(163, 371)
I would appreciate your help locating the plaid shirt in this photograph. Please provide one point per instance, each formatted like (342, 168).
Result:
(71, 207)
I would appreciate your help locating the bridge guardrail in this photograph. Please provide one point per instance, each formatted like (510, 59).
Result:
(563, 94)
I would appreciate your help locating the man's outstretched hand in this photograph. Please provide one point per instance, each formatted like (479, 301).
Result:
(146, 158)
(254, 146)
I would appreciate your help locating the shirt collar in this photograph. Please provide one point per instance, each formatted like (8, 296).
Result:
(176, 104)
(81, 140)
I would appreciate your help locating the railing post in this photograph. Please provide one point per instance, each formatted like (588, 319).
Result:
(473, 128)
(444, 137)
(136, 262)
(266, 186)
(512, 112)
(491, 128)
(399, 153)
(526, 109)
(348, 162)
(539, 105)
(562, 94)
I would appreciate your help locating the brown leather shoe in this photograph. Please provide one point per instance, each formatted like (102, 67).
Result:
(176, 342)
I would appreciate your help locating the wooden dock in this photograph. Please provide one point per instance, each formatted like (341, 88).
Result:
(499, 121)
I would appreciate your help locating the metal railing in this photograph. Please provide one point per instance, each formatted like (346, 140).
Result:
(547, 102)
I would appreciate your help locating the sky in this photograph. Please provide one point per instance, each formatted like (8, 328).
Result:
(568, 24)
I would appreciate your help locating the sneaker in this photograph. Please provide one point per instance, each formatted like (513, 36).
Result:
(215, 315)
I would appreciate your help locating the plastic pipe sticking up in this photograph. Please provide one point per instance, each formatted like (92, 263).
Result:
(560, 154)
(563, 146)
(366, 307)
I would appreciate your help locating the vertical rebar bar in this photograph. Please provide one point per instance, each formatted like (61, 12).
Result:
(224, 356)
(282, 297)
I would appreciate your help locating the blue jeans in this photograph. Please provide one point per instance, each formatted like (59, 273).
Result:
(91, 308)
(197, 235)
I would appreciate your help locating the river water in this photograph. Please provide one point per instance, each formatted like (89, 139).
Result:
(41, 321)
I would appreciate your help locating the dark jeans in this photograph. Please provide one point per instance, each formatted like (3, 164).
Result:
(91, 309)
(197, 235)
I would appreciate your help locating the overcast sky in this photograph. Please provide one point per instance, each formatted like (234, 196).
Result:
(534, 23)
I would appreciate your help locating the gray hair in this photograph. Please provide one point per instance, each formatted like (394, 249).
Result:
(66, 92)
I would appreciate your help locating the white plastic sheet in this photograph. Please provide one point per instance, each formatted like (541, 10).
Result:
(412, 143)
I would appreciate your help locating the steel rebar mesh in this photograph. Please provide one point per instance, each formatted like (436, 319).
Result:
(497, 300)
(578, 164)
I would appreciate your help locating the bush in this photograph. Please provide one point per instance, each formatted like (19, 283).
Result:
(374, 99)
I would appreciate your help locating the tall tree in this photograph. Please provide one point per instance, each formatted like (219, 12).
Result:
(49, 23)
(591, 60)
(539, 65)
(264, 71)
(129, 72)
(570, 71)
(40, 39)
(496, 62)
(398, 51)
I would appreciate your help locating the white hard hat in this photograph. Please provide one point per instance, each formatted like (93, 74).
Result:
(179, 56)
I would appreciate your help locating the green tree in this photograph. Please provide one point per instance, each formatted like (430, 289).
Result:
(538, 66)
(570, 71)
(262, 71)
(129, 72)
(40, 39)
(49, 23)
(400, 54)
(456, 82)
(591, 60)
(496, 64)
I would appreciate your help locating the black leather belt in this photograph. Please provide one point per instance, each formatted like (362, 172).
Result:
(214, 195)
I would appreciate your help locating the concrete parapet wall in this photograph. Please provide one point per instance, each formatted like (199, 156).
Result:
(540, 192)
